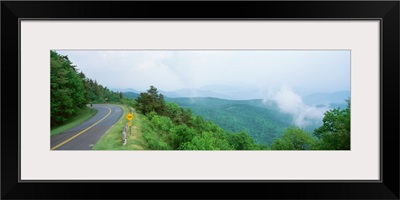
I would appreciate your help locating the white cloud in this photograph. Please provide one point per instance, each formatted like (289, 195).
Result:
(292, 103)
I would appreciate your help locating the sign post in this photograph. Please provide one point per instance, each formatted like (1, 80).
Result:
(130, 127)
(129, 116)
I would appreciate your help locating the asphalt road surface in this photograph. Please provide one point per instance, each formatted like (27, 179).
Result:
(85, 135)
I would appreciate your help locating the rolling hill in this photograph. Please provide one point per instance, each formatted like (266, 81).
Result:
(262, 120)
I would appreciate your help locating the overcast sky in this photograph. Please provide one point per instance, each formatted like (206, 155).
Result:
(310, 71)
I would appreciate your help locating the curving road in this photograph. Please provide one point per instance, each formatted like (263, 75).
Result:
(85, 135)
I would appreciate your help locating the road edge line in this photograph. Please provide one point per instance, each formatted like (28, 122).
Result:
(76, 135)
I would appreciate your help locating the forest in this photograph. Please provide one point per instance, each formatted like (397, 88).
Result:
(261, 121)
(171, 127)
(180, 123)
(71, 90)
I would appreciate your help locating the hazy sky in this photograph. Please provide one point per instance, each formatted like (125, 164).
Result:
(310, 71)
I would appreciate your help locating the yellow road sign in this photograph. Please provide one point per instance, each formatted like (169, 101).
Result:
(129, 116)
(129, 123)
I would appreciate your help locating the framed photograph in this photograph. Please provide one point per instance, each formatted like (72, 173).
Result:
(125, 96)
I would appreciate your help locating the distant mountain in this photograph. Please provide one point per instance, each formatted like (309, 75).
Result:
(334, 98)
(262, 121)
(125, 90)
(234, 92)
(168, 94)
(131, 95)
(216, 91)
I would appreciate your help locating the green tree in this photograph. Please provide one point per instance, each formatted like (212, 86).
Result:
(169, 126)
(72, 90)
(294, 138)
(334, 134)
(175, 112)
(181, 134)
(68, 92)
(206, 141)
(98, 93)
(162, 123)
(151, 101)
(121, 96)
(242, 141)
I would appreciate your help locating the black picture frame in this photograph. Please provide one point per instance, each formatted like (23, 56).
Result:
(386, 11)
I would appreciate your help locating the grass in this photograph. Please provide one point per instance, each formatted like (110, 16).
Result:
(112, 140)
(85, 114)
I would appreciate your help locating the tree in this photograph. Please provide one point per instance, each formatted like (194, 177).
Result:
(121, 96)
(181, 134)
(206, 141)
(242, 141)
(334, 134)
(174, 111)
(162, 123)
(294, 138)
(72, 90)
(68, 93)
(151, 101)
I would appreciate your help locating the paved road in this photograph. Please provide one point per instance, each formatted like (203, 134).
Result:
(85, 135)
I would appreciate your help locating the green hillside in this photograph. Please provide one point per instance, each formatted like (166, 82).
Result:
(263, 122)
(130, 95)
(194, 123)
(169, 124)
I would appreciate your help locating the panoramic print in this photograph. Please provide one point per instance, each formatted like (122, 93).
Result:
(265, 100)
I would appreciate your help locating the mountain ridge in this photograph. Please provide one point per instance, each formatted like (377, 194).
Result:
(313, 99)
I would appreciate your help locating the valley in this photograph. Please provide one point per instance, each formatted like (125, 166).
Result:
(262, 120)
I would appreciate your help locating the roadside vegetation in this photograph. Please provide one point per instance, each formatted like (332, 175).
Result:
(71, 91)
(85, 114)
(161, 125)
(167, 126)
(112, 140)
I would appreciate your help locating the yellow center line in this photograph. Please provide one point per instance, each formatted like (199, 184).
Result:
(71, 138)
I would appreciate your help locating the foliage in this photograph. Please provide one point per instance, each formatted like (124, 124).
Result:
(334, 134)
(85, 114)
(153, 138)
(71, 91)
(181, 134)
(112, 140)
(207, 141)
(242, 141)
(130, 95)
(68, 94)
(150, 101)
(169, 126)
(196, 123)
(162, 123)
(261, 121)
(294, 138)
(99, 94)
(177, 114)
